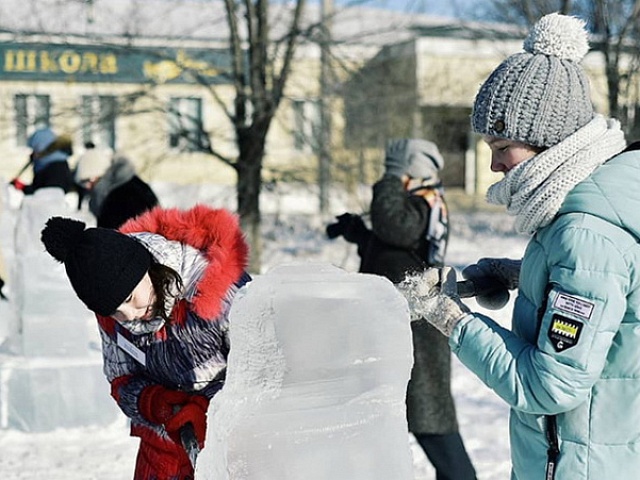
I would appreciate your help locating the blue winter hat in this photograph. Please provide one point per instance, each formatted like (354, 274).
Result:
(48, 148)
(41, 139)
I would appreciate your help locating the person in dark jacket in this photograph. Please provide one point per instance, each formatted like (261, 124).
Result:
(49, 160)
(161, 288)
(119, 194)
(409, 233)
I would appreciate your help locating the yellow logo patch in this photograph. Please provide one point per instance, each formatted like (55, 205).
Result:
(564, 328)
(564, 332)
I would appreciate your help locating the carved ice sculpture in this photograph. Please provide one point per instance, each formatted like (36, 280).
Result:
(316, 382)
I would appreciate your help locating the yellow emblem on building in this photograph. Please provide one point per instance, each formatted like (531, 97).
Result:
(167, 70)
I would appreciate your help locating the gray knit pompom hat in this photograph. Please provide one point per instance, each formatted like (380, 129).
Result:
(540, 96)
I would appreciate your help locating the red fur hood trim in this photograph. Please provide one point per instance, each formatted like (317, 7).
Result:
(216, 233)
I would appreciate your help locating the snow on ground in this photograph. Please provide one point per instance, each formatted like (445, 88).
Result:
(92, 453)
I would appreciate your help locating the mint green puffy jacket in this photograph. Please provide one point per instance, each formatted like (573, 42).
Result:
(574, 348)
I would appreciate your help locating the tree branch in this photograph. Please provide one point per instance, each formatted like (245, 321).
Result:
(280, 79)
(237, 66)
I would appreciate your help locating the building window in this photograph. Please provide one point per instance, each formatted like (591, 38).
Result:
(306, 124)
(32, 113)
(186, 131)
(99, 120)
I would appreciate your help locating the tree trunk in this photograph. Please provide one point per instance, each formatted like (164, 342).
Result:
(613, 85)
(249, 168)
(326, 86)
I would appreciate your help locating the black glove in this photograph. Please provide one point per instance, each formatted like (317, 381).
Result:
(348, 225)
(503, 272)
(334, 230)
(355, 229)
(493, 278)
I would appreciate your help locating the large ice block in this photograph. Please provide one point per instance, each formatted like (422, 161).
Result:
(317, 375)
(48, 317)
(50, 365)
(43, 394)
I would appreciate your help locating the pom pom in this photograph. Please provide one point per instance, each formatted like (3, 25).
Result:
(60, 235)
(558, 35)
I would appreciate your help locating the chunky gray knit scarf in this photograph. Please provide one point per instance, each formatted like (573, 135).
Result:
(534, 190)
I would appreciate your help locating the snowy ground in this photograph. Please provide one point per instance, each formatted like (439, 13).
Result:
(109, 453)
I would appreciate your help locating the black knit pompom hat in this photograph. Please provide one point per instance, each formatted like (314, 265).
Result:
(103, 265)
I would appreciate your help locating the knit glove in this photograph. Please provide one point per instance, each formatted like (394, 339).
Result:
(173, 409)
(17, 184)
(433, 295)
(503, 272)
(158, 404)
(397, 157)
(194, 412)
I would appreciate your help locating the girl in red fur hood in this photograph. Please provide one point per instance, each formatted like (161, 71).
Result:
(161, 288)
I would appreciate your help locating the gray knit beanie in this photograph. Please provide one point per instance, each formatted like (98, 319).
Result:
(540, 96)
(425, 160)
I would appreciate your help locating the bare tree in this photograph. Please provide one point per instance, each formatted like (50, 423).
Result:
(260, 68)
(261, 37)
(616, 23)
(525, 12)
(260, 65)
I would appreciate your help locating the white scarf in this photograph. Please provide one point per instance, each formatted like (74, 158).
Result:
(534, 190)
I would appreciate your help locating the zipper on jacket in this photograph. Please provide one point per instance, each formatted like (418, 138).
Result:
(553, 452)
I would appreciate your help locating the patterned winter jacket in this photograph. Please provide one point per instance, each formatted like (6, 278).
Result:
(572, 357)
(188, 353)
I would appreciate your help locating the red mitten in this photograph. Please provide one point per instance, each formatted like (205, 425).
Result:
(158, 404)
(195, 413)
(18, 184)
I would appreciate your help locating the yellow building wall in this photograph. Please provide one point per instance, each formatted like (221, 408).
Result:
(142, 134)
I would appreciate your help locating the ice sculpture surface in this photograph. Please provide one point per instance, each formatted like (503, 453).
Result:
(316, 381)
(50, 375)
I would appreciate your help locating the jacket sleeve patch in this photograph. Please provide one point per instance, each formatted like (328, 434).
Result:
(574, 306)
(564, 332)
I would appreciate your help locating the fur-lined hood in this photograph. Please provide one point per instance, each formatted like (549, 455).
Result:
(214, 232)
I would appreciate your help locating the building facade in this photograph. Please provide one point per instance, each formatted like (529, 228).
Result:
(425, 87)
(150, 79)
(152, 85)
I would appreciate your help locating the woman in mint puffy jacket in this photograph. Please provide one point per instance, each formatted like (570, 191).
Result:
(569, 367)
